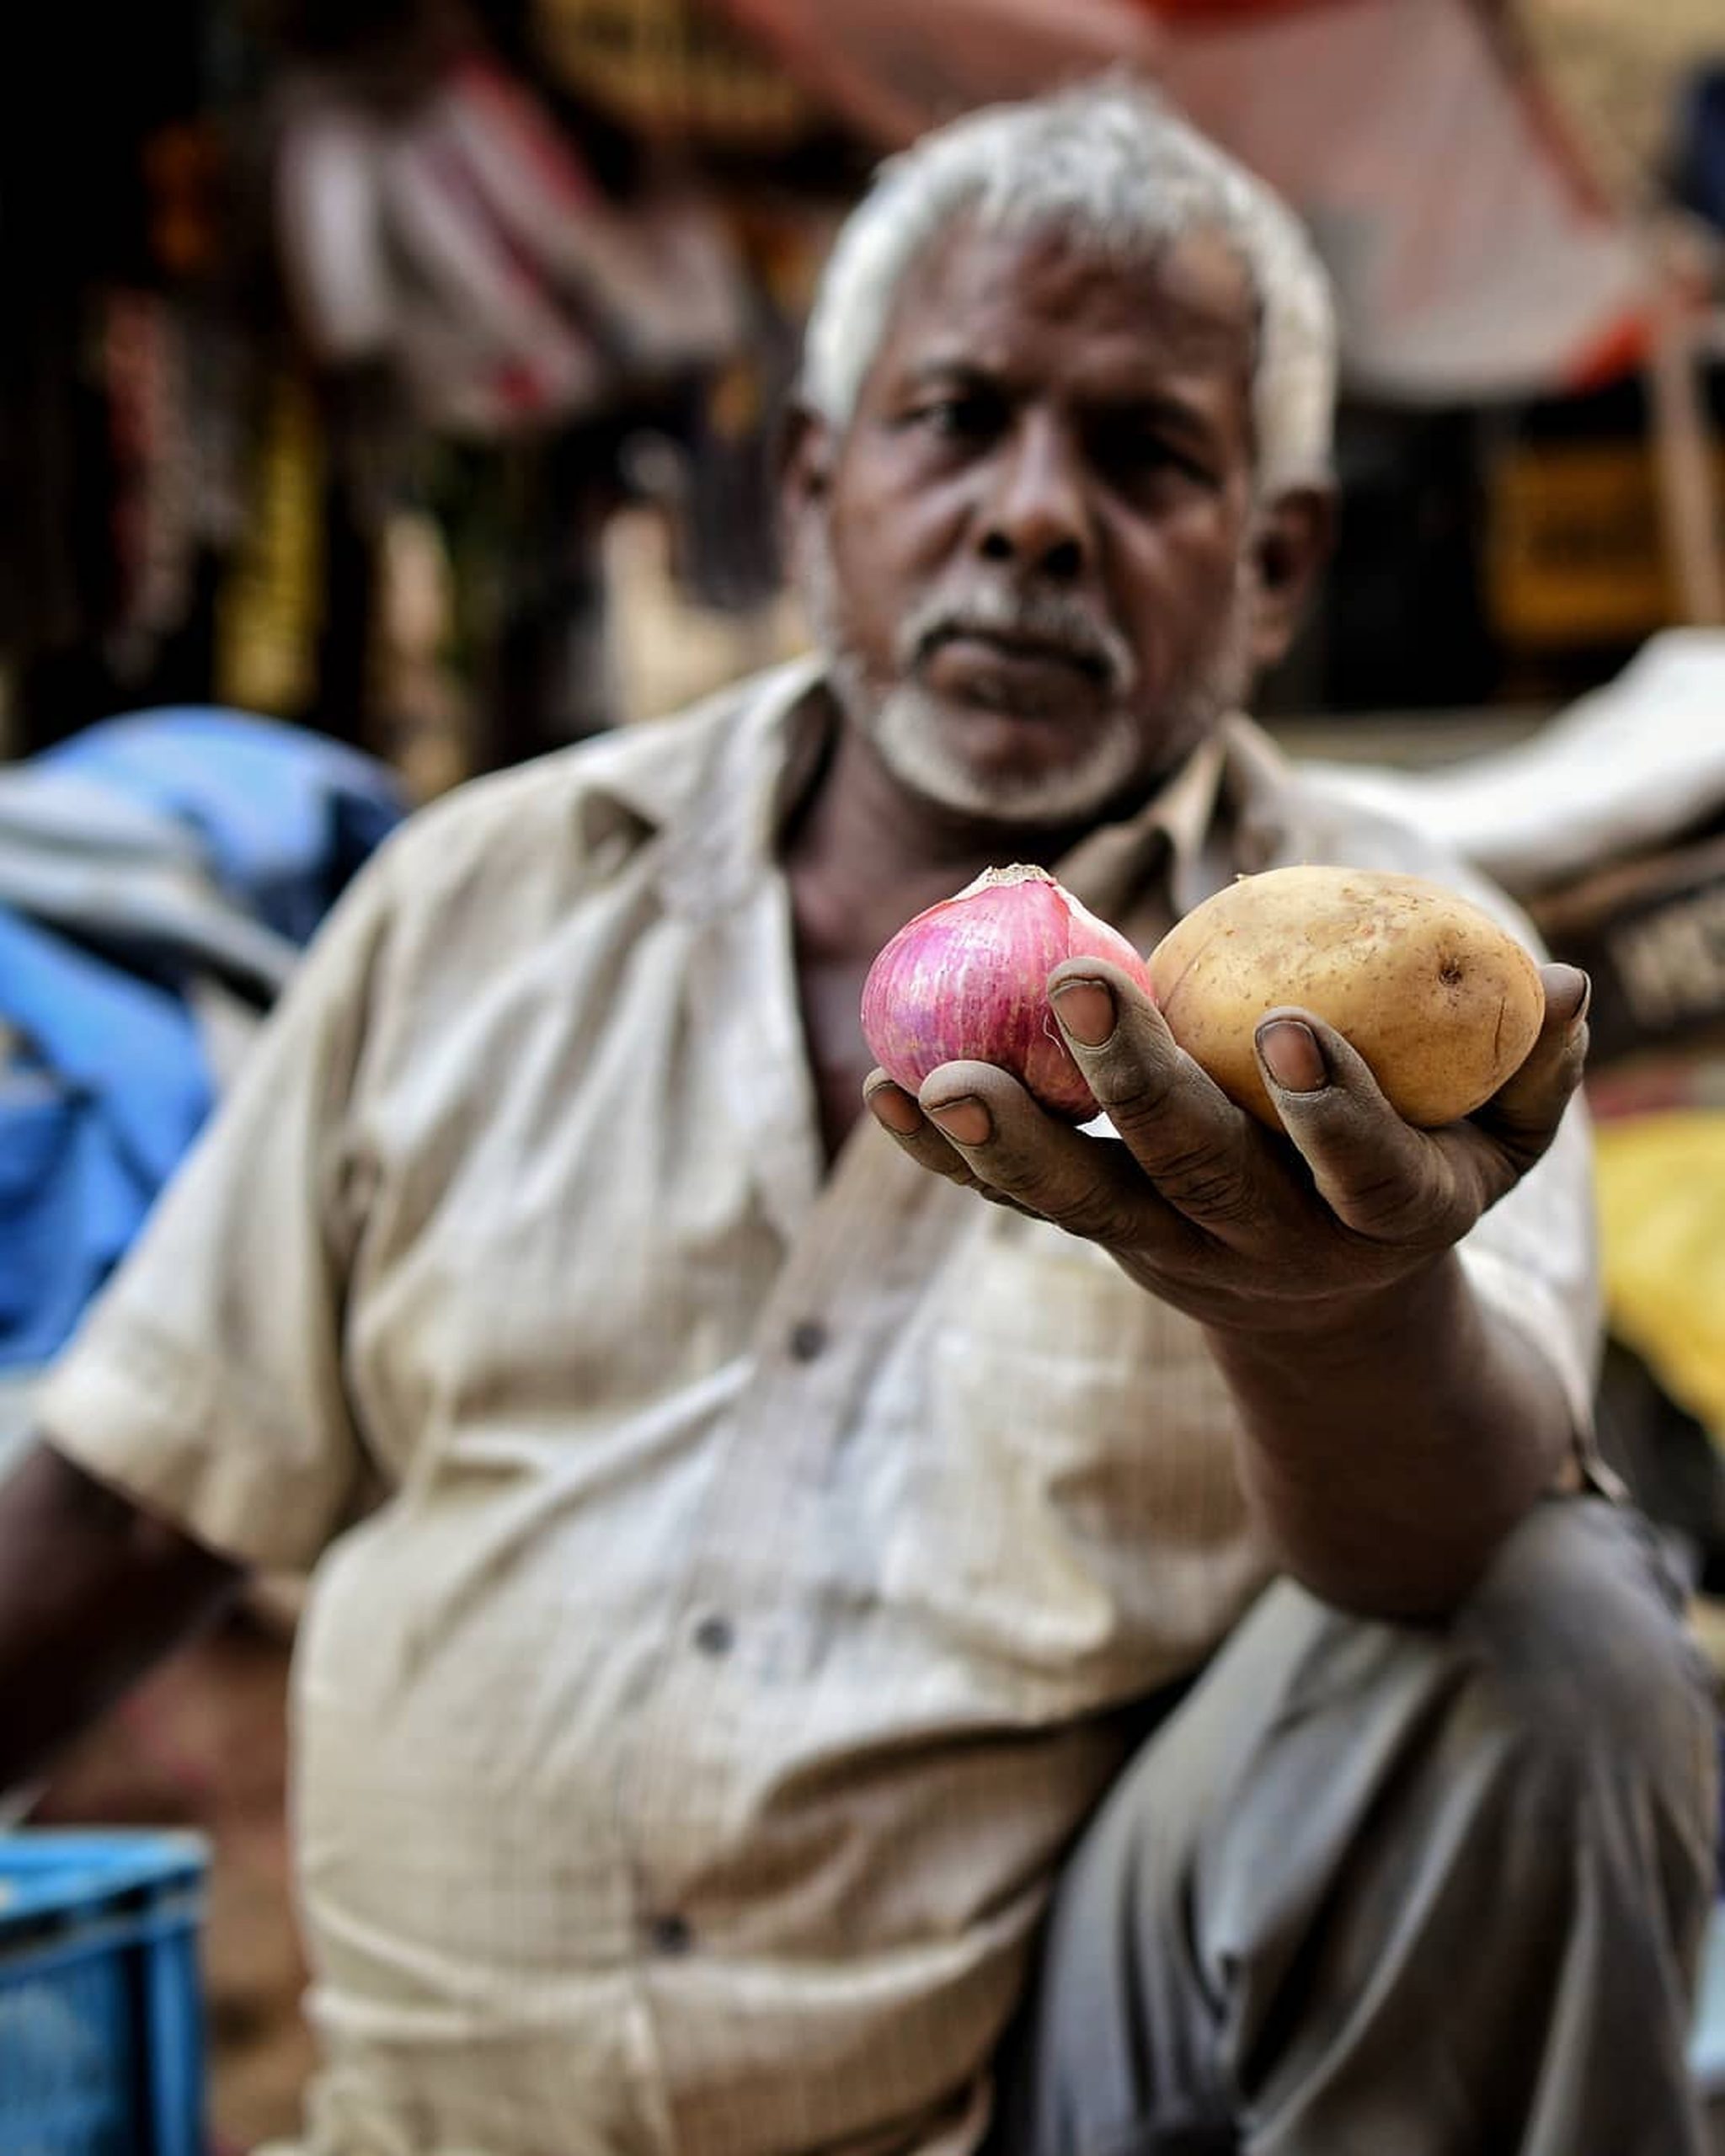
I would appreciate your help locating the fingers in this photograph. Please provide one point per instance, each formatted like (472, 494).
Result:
(1418, 1188)
(1379, 1176)
(1206, 1163)
(1208, 1166)
(1523, 1115)
(1206, 1159)
(977, 1126)
(900, 1114)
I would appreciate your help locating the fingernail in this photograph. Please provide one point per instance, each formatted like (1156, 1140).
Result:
(1086, 1010)
(893, 1109)
(1572, 1033)
(965, 1121)
(1292, 1056)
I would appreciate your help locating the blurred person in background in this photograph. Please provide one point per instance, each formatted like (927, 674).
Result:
(798, 1658)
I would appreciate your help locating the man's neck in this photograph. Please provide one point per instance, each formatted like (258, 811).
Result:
(864, 855)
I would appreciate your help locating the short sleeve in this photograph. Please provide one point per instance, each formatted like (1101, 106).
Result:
(1534, 1258)
(205, 1382)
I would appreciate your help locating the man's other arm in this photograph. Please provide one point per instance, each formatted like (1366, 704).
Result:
(92, 1592)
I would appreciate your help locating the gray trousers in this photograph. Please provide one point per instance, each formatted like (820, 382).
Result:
(1393, 1890)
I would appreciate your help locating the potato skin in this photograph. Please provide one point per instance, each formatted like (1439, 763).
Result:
(1443, 1003)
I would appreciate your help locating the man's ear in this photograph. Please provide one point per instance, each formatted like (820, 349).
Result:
(1290, 544)
(806, 447)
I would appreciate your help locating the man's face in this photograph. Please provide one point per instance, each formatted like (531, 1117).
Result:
(1030, 561)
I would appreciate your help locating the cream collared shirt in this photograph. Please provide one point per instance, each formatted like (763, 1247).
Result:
(728, 1575)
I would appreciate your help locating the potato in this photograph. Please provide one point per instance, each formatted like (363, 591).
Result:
(1442, 1003)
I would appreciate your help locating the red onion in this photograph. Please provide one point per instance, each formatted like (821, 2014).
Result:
(968, 980)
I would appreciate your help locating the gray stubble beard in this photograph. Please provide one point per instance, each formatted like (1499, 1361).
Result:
(903, 721)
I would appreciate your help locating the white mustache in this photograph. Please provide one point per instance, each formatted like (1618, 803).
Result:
(1046, 618)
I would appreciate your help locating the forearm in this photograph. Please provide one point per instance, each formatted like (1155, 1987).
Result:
(1389, 1456)
(92, 1592)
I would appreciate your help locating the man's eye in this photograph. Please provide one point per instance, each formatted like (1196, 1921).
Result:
(1133, 455)
(959, 418)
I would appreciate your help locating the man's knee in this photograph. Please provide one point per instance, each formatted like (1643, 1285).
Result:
(1559, 1730)
(1572, 1654)
(1566, 1679)
(1287, 1875)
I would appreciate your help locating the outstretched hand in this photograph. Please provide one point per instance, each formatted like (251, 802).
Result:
(1229, 1222)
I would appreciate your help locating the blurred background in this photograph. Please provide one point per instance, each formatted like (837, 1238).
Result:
(392, 367)
(388, 391)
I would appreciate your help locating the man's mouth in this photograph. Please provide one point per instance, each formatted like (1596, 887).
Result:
(1020, 649)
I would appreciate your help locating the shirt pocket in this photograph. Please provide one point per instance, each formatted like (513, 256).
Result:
(1076, 1497)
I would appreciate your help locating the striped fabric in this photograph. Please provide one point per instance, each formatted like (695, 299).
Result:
(729, 1577)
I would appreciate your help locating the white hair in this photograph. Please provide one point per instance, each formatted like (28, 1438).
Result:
(1112, 163)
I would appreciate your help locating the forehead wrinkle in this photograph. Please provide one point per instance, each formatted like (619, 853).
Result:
(1114, 165)
(1144, 256)
(967, 305)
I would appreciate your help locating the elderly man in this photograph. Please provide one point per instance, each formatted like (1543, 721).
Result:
(798, 1658)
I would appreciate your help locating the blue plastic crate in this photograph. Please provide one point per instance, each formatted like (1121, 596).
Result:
(101, 2012)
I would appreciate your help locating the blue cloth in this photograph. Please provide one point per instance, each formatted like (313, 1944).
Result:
(103, 1093)
(138, 856)
(280, 818)
(1700, 160)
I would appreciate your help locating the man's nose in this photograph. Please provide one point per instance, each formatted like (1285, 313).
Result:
(1038, 514)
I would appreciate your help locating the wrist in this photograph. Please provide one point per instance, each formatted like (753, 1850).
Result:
(1351, 1326)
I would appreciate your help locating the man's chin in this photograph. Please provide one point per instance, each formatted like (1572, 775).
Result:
(1014, 767)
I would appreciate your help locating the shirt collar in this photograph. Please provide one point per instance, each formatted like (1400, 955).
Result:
(715, 791)
(720, 810)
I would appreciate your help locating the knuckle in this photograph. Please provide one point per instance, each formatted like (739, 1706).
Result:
(1005, 1200)
(1519, 1148)
(1421, 1216)
(1206, 1186)
(1385, 1207)
(1136, 1093)
(933, 1154)
(1088, 1209)
(1196, 1166)
(1540, 1090)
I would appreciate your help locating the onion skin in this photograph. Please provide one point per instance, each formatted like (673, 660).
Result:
(967, 980)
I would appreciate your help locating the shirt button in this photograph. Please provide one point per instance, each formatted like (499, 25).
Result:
(808, 1339)
(671, 1933)
(715, 1635)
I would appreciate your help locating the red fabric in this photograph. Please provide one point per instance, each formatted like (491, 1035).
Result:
(1215, 12)
(1471, 253)
(891, 68)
